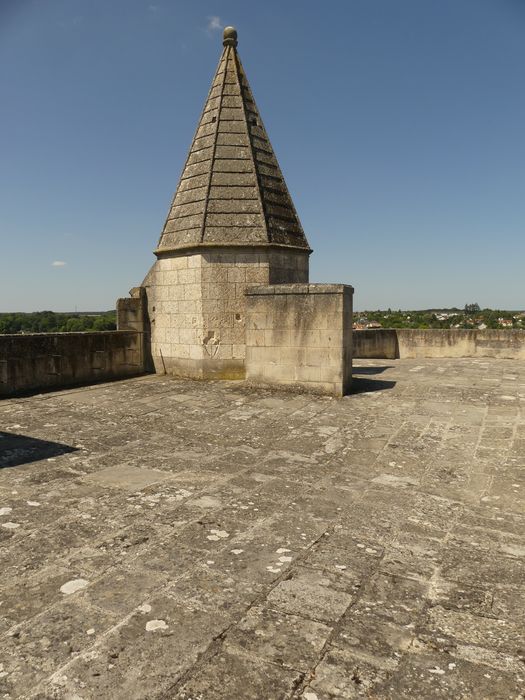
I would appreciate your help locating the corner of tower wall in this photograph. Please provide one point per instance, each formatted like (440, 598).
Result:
(132, 315)
(227, 313)
(196, 305)
(299, 336)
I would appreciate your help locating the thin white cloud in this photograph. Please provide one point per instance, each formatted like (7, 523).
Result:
(214, 25)
(58, 263)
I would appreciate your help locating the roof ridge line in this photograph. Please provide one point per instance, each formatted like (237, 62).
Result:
(280, 177)
(238, 66)
(226, 57)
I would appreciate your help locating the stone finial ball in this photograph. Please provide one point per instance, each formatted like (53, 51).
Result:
(230, 36)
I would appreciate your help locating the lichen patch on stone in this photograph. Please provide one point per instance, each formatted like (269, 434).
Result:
(153, 625)
(76, 584)
(218, 535)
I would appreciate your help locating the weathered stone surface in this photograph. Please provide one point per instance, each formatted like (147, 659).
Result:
(228, 676)
(196, 302)
(211, 540)
(341, 674)
(447, 342)
(318, 601)
(287, 640)
(53, 360)
(307, 342)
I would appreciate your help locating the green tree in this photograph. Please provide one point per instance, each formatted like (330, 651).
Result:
(472, 308)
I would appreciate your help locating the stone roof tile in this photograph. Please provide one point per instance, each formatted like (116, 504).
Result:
(231, 190)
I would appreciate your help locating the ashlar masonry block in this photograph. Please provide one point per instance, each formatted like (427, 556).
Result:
(301, 350)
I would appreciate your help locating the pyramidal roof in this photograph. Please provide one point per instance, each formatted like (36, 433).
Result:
(231, 191)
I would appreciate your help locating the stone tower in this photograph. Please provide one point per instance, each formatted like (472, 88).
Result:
(231, 224)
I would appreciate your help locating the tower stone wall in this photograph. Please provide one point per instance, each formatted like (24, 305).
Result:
(232, 228)
(196, 306)
(231, 224)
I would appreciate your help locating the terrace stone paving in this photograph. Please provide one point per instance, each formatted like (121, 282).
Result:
(175, 539)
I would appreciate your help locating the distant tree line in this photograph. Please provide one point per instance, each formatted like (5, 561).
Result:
(51, 322)
(470, 317)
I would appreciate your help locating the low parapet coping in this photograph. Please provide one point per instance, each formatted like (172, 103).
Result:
(264, 290)
(68, 334)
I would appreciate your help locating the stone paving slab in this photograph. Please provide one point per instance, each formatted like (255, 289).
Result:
(176, 539)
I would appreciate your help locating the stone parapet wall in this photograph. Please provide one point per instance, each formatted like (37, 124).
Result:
(392, 343)
(300, 336)
(42, 361)
(376, 344)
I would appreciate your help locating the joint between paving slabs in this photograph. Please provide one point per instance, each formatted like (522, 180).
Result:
(417, 625)
(327, 645)
(217, 642)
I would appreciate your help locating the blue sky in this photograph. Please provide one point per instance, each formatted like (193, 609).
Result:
(399, 126)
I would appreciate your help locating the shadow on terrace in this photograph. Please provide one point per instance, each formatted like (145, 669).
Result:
(21, 449)
(361, 385)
